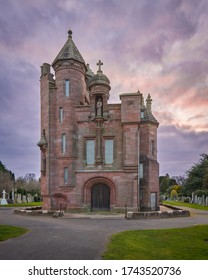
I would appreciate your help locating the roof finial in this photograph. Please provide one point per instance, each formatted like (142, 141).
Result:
(70, 33)
(99, 65)
(149, 103)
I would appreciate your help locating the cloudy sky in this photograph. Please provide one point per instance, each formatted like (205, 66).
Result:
(157, 46)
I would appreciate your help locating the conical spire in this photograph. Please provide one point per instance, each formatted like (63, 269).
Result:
(69, 51)
(149, 103)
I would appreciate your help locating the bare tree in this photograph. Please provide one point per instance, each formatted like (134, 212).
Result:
(28, 183)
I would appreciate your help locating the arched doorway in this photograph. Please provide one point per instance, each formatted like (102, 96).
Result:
(100, 197)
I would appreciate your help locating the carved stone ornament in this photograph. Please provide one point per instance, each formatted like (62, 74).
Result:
(105, 117)
(99, 88)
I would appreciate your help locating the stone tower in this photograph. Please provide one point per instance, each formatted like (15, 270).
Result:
(94, 155)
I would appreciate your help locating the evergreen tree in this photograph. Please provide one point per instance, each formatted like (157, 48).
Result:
(6, 178)
(197, 176)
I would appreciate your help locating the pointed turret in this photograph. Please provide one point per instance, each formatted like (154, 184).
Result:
(69, 51)
(146, 111)
(149, 103)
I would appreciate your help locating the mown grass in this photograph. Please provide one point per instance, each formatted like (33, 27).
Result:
(7, 232)
(189, 205)
(189, 243)
(23, 204)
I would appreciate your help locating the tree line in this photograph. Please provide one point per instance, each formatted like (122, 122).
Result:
(23, 184)
(194, 181)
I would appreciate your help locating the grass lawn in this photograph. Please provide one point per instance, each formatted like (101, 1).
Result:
(7, 232)
(190, 205)
(189, 243)
(23, 204)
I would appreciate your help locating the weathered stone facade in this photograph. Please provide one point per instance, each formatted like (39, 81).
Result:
(94, 154)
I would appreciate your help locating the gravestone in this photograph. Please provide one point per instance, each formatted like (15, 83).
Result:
(19, 198)
(12, 194)
(200, 200)
(24, 199)
(203, 199)
(29, 198)
(15, 197)
(207, 201)
(3, 200)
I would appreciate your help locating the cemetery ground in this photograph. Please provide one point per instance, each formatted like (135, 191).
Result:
(189, 243)
(7, 232)
(185, 204)
(30, 204)
(91, 237)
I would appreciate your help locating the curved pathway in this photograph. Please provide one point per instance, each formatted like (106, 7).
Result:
(76, 237)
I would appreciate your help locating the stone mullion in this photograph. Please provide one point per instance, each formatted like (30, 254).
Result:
(99, 142)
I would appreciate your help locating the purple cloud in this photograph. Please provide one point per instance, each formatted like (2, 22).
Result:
(154, 46)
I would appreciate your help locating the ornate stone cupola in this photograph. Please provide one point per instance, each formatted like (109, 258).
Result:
(99, 87)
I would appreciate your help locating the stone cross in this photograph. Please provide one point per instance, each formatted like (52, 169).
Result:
(4, 201)
(99, 64)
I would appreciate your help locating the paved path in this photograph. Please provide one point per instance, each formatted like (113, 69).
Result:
(76, 237)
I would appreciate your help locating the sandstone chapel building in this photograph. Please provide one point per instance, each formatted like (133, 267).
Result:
(94, 155)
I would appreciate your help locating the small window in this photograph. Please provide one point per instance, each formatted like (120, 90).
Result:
(142, 114)
(109, 151)
(63, 143)
(152, 148)
(141, 170)
(67, 88)
(90, 151)
(61, 114)
(66, 175)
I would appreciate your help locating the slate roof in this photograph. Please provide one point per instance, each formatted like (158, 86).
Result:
(69, 51)
(148, 116)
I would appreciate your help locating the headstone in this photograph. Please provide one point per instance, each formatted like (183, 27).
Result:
(19, 198)
(200, 200)
(3, 200)
(207, 201)
(12, 194)
(203, 199)
(192, 198)
(29, 198)
(24, 199)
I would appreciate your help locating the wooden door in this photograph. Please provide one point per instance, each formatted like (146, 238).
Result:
(100, 197)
